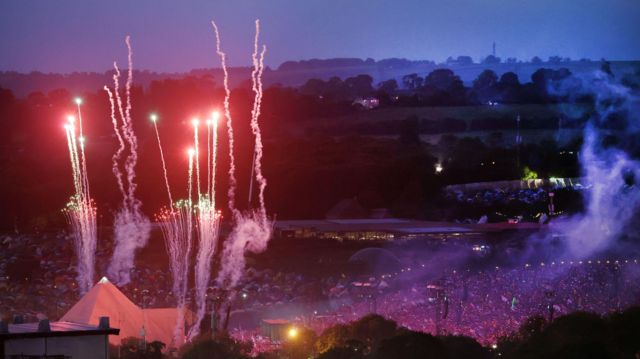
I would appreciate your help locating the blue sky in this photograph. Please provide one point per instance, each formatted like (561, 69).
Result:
(173, 35)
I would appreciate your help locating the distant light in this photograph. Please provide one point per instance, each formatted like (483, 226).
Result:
(494, 346)
(244, 295)
(78, 101)
(439, 168)
(293, 332)
(153, 117)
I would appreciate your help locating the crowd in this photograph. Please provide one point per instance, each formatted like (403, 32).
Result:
(484, 304)
(499, 197)
(488, 304)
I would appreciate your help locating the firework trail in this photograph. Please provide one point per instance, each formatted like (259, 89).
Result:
(177, 233)
(214, 122)
(258, 68)
(252, 230)
(231, 192)
(154, 119)
(80, 210)
(121, 146)
(208, 228)
(196, 145)
(131, 227)
(81, 141)
(176, 223)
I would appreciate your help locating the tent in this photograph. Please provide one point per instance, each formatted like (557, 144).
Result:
(106, 300)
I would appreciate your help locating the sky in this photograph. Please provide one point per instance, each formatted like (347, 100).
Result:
(176, 35)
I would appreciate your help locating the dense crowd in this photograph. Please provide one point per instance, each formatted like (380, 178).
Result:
(483, 304)
(488, 304)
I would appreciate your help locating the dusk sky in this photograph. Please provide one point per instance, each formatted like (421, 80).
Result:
(171, 35)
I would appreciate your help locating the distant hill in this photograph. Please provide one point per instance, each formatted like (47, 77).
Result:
(296, 73)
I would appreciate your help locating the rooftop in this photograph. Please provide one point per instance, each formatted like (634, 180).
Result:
(58, 329)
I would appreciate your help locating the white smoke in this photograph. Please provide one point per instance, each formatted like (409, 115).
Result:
(610, 201)
(251, 233)
(131, 227)
(613, 196)
(252, 230)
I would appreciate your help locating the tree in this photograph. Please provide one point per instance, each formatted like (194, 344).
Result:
(625, 330)
(341, 353)
(555, 59)
(360, 85)
(491, 60)
(412, 81)
(509, 87)
(485, 86)
(464, 60)
(461, 347)
(301, 346)
(221, 347)
(313, 87)
(373, 328)
(388, 86)
(443, 80)
(443, 87)
(363, 335)
(154, 349)
(509, 80)
(333, 337)
(460, 61)
(536, 60)
(411, 345)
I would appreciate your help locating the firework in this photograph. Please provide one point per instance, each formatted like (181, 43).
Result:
(252, 230)
(131, 227)
(80, 211)
(208, 228)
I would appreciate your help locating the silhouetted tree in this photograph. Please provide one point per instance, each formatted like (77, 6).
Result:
(412, 81)
(388, 86)
(411, 345)
(485, 86)
(491, 60)
(461, 347)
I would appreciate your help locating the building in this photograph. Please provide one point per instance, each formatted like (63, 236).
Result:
(149, 324)
(56, 340)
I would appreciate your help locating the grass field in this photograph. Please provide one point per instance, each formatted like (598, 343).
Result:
(467, 113)
(530, 115)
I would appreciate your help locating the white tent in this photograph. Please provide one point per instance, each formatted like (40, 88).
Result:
(105, 300)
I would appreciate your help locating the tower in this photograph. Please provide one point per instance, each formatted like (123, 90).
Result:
(493, 51)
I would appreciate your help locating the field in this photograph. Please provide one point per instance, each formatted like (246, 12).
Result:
(537, 122)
